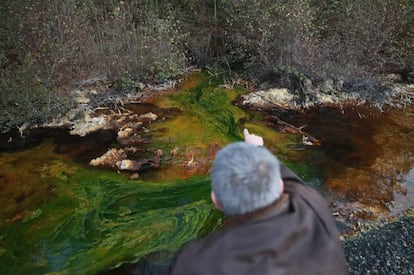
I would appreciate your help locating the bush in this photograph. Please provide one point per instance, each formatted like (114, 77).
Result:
(25, 100)
(276, 36)
(60, 43)
(362, 36)
(49, 47)
(71, 40)
(320, 39)
(137, 42)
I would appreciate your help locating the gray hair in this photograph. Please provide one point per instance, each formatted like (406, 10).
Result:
(245, 178)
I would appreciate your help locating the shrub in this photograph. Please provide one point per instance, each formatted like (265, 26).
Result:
(60, 43)
(49, 47)
(361, 36)
(137, 42)
(335, 39)
(25, 100)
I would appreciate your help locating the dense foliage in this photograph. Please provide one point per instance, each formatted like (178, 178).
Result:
(47, 47)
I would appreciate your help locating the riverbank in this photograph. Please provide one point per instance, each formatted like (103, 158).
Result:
(385, 250)
(375, 163)
(388, 249)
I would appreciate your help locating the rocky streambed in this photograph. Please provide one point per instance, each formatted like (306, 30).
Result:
(335, 116)
(354, 147)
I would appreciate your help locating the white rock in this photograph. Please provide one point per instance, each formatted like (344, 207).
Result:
(128, 164)
(110, 158)
(88, 124)
(126, 132)
(273, 96)
(150, 116)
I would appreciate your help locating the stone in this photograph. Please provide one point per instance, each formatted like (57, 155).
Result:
(276, 96)
(328, 86)
(110, 158)
(126, 132)
(134, 176)
(80, 97)
(128, 164)
(148, 116)
(88, 124)
(394, 78)
(174, 152)
(141, 86)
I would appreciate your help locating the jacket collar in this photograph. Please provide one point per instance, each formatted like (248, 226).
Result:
(276, 208)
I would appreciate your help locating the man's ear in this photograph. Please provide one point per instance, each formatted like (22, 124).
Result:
(214, 200)
(282, 185)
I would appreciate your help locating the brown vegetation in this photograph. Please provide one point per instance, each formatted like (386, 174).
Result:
(49, 47)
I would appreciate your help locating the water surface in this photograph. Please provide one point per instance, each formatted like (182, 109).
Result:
(58, 214)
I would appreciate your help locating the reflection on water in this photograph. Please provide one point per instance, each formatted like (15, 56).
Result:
(59, 215)
(367, 155)
(404, 195)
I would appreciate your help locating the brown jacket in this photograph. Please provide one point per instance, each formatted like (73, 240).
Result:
(295, 235)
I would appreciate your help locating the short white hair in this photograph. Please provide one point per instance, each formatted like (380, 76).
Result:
(245, 178)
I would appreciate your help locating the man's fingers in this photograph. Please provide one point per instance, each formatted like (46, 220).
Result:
(252, 139)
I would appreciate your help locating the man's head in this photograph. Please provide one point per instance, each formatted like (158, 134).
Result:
(245, 178)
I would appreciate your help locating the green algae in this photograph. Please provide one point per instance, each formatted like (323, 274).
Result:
(207, 121)
(207, 114)
(59, 216)
(97, 220)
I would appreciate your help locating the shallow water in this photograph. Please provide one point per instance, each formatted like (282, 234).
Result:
(366, 156)
(377, 170)
(60, 215)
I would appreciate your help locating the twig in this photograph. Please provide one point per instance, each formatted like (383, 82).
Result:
(307, 139)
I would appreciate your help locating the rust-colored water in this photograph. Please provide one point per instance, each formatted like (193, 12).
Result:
(367, 156)
(59, 215)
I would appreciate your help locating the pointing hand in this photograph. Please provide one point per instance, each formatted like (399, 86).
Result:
(252, 139)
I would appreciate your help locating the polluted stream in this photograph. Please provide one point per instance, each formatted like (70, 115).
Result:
(60, 214)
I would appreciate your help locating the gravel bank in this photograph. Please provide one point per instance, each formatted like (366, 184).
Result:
(386, 250)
